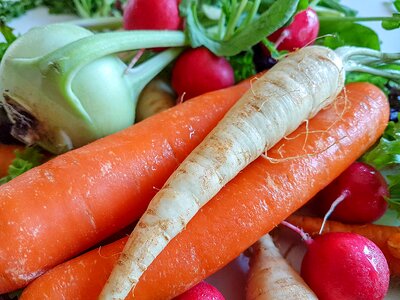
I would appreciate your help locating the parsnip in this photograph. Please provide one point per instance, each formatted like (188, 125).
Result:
(293, 91)
(271, 277)
(156, 97)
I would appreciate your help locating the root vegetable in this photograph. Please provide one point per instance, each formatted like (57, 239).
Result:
(271, 277)
(249, 206)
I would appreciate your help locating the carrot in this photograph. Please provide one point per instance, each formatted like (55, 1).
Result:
(70, 203)
(387, 238)
(7, 155)
(283, 98)
(271, 276)
(249, 206)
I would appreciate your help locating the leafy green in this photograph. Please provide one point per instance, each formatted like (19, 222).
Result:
(385, 157)
(387, 152)
(243, 65)
(10, 9)
(337, 6)
(244, 35)
(25, 160)
(392, 23)
(335, 34)
(9, 37)
(396, 4)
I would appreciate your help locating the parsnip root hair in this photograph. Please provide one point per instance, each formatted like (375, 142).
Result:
(293, 91)
(271, 277)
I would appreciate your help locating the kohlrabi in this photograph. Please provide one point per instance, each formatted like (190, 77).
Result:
(62, 88)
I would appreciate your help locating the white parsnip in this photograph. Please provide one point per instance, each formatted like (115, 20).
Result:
(293, 91)
(156, 97)
(271, 277)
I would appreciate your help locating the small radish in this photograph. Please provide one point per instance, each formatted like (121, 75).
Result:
(152, 14)
(201, 291)
(359, 194)
(198, 71)
(343, 266)
(301, 32)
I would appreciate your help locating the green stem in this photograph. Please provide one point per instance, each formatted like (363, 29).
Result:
(252, 13)
(141, 75)
(233, 21)
(98, 24)
(358, 19)
(88, 49)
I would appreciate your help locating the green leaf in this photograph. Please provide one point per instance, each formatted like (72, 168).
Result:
(25, 160)
(392, 24)
(347, 33)
(274, 18)
(386, 153)
(336, 5)
(242, 65)
(10, 9)
(397, 5)
(8, 35)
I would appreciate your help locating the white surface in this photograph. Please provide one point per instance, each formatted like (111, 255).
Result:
(231, 280)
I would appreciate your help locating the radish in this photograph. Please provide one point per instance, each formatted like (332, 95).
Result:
(201, 291)
(290, 93)
(198, 71)
(358, 193)
(341, 265)
(300, 33)
(152, 14)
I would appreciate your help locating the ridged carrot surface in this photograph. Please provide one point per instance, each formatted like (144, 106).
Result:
(253, 203)
(7, 155)
(70, 203)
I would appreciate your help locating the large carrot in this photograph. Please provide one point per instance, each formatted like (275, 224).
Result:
(387, 238)
(7, 155)
(70, 203)
(249, 206)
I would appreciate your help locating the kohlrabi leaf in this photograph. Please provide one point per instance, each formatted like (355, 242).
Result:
(244, 36)
(335, 34)
(25, 160)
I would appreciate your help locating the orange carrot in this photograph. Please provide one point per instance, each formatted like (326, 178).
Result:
(249, 206)
(70, 203)
(387, 238)
(7, 155)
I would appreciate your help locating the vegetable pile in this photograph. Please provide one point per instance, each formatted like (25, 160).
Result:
(164, 130)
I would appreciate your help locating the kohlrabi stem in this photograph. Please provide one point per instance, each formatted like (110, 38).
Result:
(81, 52)
(140, 75)
(233, 21)
(98, 24)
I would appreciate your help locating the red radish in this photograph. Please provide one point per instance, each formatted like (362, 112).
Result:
(301, 32)
(198, 71)
(201, 291)
(361, 191)
(152, 14)
(341, 265)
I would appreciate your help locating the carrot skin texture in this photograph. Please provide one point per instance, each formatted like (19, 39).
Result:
(7, 155)
(70, 203)
(387, 238)
(249, 206)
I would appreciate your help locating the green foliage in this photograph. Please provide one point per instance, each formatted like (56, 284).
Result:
(25, 160)
(241, 33)
(337, 6)
(9, 37)
(243, 65)
(347, 33)
(10, 9)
